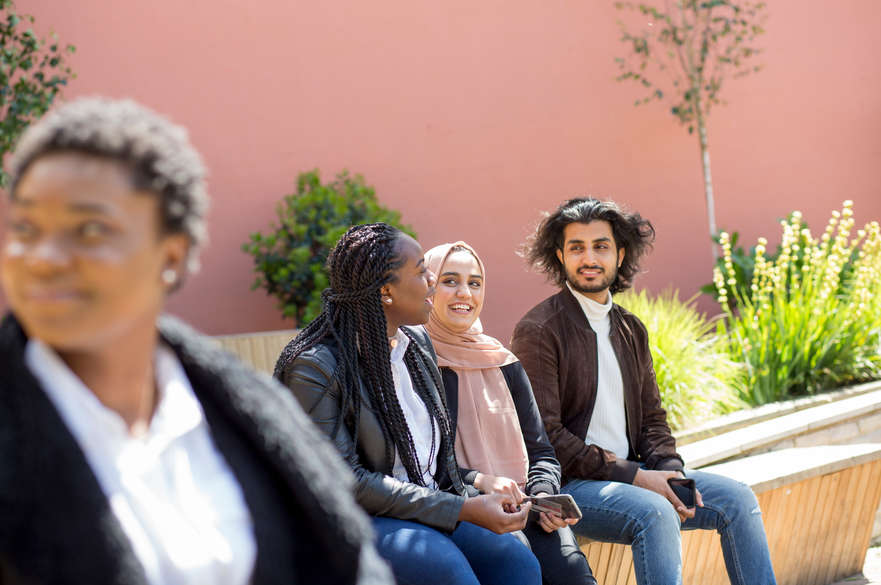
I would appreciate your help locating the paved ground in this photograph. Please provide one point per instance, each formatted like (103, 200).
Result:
(871, 574)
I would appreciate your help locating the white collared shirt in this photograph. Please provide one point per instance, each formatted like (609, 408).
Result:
(416, 414)
(608, 423)
(171, 490)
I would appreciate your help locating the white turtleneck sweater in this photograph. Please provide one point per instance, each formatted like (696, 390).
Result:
(608, 424)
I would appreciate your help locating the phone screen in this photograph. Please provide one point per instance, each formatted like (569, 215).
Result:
(684, 490)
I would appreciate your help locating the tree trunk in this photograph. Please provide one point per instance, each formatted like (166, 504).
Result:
(708, 176)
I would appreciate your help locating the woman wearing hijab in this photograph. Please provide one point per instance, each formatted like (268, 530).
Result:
(499, 432)
(132, 450)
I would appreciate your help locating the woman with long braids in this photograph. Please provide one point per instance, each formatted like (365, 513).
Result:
(372, 385)
(499, 431)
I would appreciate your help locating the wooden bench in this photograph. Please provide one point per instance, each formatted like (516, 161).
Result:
(259, 350)
(818, 502)
(818, 506)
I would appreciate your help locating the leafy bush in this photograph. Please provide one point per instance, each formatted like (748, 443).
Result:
(696, 377)
(813, 318)
(31, 75)
(289, 260)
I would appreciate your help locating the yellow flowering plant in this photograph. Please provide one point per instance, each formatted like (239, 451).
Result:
(812, 319)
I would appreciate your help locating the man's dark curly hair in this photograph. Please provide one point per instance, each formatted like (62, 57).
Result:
(630, 230)
(157, 152)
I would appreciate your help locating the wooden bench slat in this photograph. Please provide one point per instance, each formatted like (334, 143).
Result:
(825, 527)
(259, 350)
(840, 560)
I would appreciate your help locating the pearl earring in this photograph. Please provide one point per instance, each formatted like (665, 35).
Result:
(169, 276)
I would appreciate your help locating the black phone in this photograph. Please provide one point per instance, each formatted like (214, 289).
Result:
(684, 489)
(562, 505)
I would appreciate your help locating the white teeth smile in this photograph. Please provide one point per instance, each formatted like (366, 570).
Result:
(460, 307)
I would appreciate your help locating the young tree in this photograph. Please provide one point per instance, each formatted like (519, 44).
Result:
(694, 45)
(32, 72)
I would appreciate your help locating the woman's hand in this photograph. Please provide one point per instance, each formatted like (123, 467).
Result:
(491, 512)
(552, 522)
(493, 484)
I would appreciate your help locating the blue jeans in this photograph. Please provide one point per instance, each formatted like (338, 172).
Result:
(471, 555)
(623, 513)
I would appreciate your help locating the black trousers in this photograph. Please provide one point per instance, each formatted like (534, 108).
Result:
(558, 553)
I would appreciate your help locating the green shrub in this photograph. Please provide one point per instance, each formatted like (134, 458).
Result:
(812, 320)
(289, 260)
(32, 72)
(696, 377)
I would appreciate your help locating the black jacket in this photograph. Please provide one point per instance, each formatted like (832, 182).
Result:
(56, 526)
(312, 378)
(544, 469)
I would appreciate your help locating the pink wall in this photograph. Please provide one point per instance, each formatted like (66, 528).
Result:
(471, 118)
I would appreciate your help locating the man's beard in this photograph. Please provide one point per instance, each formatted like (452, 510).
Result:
(605, 282)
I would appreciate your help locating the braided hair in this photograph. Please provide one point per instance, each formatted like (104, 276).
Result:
(362, 262)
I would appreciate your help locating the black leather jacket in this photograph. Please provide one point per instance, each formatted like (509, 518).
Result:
(311, 378)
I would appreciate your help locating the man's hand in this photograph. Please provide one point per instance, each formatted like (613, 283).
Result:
(492, 484)
(496, 512)
(656, 481)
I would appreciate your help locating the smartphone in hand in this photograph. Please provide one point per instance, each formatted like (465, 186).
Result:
(684, 489)
(561, 505)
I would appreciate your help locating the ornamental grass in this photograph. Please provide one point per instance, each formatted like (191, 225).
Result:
(695, 375)
(813, 319)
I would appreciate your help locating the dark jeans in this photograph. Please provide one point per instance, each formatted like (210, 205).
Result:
(471, 555)
(560, 557)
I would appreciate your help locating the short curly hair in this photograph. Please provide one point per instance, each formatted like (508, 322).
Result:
(630, 230)
(158, 152)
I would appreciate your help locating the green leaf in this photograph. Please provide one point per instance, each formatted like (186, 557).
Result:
(289, 260)
(32, 72)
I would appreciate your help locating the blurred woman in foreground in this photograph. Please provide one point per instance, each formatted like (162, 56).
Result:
(132, 450)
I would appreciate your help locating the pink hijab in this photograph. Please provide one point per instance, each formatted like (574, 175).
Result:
(488, 435)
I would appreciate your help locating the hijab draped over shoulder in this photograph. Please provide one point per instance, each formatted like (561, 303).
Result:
(488, 435)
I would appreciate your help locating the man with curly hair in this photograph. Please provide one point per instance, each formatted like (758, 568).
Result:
(591, 371)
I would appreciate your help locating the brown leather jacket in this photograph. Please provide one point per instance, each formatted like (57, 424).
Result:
(558, 349)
